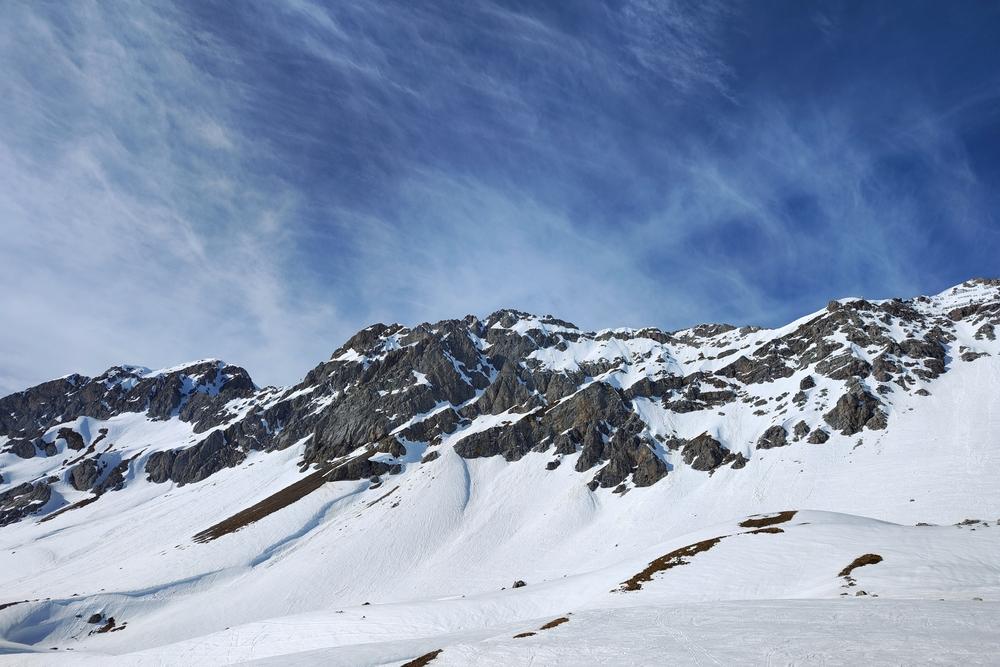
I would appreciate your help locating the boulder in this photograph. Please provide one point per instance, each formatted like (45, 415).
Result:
(775, 436)
(855, 410)
(703, 452)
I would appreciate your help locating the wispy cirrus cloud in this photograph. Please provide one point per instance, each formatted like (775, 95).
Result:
(257, 181)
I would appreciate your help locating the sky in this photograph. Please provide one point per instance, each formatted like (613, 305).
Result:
(256, 181)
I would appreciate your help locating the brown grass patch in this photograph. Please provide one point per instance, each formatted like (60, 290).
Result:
(553, 623)
(667, 561)
(424, 659)
(780, 517)
(522, 635)
(860, 561)
(75, 506)
(269, 505)
(770, 529)
(381, 498)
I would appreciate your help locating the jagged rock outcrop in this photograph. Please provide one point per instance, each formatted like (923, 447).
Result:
(194, 463)
(775, 436)
(23, 500)
(855, 410)
(84, 475)
(702, 452)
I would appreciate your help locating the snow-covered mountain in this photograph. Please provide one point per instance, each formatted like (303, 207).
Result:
(381, 509)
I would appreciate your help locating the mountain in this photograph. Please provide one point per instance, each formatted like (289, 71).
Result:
(185, 513)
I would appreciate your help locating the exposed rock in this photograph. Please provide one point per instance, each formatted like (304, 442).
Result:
(73, 439)
(739, 461)
(84, 475)
(807, 383)
(360, 467)
(24, 449)
(844, 366)
(801, 430)
(512, 442)
(195, 463)
(752, 371)
(22, 500)
(855, 410)
(775, 436)
(818, 437)
(703, 452)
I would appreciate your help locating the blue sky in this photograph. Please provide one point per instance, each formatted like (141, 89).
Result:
(256, 181)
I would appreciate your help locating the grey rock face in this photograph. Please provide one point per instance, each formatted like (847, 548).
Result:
(856, 410)
(766, 368)
(801, 430)
(512, 442)
(818, 437)
(195, 463)
(843, 366)
(84, 475)
(703, 452)
(22, 500)
(775, 436)
(24, 449)
(73, 439)
(27, 414)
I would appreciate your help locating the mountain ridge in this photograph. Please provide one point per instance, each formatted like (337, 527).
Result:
(424, 469)
(514, 383)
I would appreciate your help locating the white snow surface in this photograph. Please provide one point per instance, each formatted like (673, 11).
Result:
(435, 549)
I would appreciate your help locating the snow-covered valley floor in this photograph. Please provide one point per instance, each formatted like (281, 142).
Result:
(775, 589)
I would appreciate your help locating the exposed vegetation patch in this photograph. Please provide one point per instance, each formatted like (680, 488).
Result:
(381, 498)
(555, 622)
(667, 561)
(269, 505)
(760, 522)
(860, 561)
(75, 506)
(423, 660)
(548, 626)
(770, 530)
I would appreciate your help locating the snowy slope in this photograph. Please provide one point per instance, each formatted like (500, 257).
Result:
(433, 543)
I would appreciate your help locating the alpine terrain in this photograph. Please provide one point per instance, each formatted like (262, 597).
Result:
(513, 490)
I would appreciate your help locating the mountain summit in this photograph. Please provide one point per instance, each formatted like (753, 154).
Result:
(455, 457)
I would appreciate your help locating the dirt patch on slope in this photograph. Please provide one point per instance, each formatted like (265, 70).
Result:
(555, 622)
(667, 561)
(423, 660)
(381, 498)
(269, 505)
(75, 506)
(548, 626)
(860, 561)
(760, 522)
